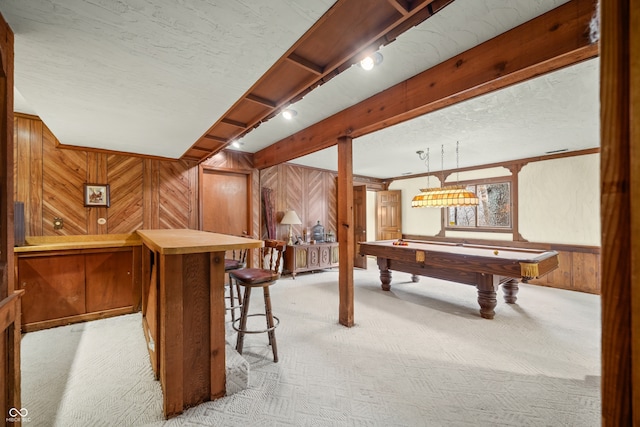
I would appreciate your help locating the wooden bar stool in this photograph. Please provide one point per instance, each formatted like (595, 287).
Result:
(250, 278)
(237, 261)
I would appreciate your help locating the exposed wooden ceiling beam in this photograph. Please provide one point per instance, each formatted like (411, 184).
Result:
(402, 6)
(259, 100)
(333, 44)
(554, 40)
(216, 138)
(306, 64)
(234, 123)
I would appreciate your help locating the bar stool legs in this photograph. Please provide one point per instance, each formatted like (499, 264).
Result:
(272, 321)
(270, 326)
(233, 298)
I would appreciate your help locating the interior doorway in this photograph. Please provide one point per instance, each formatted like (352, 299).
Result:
(225, 202)
(389, 215)
(359, 223)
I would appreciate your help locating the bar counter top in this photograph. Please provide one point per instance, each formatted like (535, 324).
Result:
(186, 241)
(60, 243)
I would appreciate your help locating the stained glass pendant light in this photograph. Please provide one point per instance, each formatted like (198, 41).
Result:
(443, 197)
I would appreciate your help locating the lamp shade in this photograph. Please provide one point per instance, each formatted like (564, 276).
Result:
(451, 196)
(290, 217)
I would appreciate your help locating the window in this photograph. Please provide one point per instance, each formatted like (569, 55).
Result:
(492, 213)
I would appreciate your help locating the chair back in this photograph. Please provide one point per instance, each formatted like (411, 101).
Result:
(272, 254)
(239, 255)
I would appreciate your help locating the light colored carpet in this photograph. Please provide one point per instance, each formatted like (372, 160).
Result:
(419, 355)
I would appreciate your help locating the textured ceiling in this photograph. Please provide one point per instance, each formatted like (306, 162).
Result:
(146, 76)
(150, 77)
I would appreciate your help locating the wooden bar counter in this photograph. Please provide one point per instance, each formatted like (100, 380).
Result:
(183, 312)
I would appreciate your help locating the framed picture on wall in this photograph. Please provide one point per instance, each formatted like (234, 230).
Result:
(96, 195)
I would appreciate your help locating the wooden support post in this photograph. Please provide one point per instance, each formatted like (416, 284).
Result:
(171, 330)
(10, 334)
(620, 212)
(217, 339)
(345, 229)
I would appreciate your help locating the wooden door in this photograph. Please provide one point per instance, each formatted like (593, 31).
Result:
(359, 223)
(389, 215)
(225, 202)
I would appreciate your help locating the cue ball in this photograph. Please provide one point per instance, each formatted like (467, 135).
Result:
(495, 252)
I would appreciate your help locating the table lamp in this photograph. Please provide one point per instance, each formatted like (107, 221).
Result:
(290, 218)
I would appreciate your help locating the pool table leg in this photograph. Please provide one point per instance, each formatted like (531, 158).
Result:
(385, 273)
(510, 290)
(487, 285)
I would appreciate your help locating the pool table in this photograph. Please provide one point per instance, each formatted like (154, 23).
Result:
(485, 267)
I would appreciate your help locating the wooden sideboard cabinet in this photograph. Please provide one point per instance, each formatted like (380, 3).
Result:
(299, 258)
(69, 281)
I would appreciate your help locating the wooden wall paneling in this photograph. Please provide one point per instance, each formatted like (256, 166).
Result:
(585, 272)
(22, 162)
(194, 218)
(296, 198)
(316, 198)
(256, 212)
(126, 180)
(268, 179)
(229, 159)
(561, 277)
(151, 202)
(96, 173)
(28, 171)
(175, 200)
(63, 176)
(331, 200)
(34, 223)
(281, 197)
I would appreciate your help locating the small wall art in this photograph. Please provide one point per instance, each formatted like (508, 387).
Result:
(96, 195)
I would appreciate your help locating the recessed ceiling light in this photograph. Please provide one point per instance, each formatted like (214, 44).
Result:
(237, 143)
(368, 62)
(289, 114)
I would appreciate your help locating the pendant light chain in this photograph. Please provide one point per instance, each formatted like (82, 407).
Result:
(427, 162)
(442, 164)
(457, 162)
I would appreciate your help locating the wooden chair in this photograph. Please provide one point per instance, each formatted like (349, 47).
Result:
(249, 278)
(237, 261)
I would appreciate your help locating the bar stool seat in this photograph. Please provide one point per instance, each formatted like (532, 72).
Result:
(250, 278)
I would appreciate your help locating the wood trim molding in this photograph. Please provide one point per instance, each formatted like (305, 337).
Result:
(513, 165)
